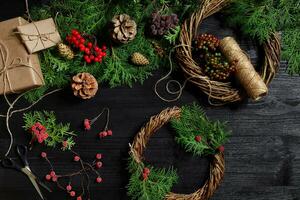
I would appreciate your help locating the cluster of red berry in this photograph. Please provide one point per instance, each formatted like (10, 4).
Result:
(52, 176)
(210, 58)
(105, 133)
(87, 126)
(38, 132)
(92, 52)
(146, 172)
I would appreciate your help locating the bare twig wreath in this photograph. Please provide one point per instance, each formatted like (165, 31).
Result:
(223, 92)
(217, 165)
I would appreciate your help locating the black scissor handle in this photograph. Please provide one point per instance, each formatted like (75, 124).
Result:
(22, 152)
(9, 163)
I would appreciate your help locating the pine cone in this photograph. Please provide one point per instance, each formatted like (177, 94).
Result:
(139, 59)
(161, 24)
(84, 85)
(65, 51)
(124, 28)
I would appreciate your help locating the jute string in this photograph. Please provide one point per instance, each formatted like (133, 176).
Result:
(245, 72)
(180, 86)
(8, 65)
(107, 110)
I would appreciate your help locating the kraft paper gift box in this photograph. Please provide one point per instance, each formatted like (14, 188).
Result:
(19, 71)
(39, 35)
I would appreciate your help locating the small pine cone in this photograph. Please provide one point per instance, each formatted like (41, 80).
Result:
(139, 59)
(84, 85)
(65, 51)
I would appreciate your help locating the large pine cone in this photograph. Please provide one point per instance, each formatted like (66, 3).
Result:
(124, 28)
(84, 85)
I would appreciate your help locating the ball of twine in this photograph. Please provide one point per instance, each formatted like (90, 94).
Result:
(217, 165)
(220, 92)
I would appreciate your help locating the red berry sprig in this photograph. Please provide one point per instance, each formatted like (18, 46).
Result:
(105, 133)
(87, 124)
(38, 132)
(92, 52)
(85, 168)
(145, 174)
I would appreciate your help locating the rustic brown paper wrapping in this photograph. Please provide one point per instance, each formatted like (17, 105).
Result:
(245, 72)
(19, 71)
(39, 35)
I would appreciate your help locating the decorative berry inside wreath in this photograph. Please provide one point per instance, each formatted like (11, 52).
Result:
(197, 135)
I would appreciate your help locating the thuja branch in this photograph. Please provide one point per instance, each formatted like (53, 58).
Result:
(197, 134)
(44, 128)
(10, 112)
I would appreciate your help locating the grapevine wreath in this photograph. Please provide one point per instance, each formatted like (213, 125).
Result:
(197, 135)
(223, 92)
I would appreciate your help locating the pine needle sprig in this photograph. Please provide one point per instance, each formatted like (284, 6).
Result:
(192, 123)
(260, 18)
(158, 184)
(58, 132)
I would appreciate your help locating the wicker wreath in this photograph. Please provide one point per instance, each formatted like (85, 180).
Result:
(223, 92)
(217, 165)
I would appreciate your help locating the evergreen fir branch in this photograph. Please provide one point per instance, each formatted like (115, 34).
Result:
(192, 123)
(92, 17)
(57, 132)
(172, 35)
(291, 49)
(158, 184)
(260, 18)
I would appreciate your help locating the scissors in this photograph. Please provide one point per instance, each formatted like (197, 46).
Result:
(22, 152)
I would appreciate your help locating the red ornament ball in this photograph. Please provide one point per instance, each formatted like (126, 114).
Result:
(54, 178)
(86, 122)
(145, 176)
(69, 188)
(104, 133)
(72, 193)
(146, 171)
(221, 148)
(52, 173)
(79, 198)
(198, 138)
(98, 179)
(98, 165)
(43, 154)
(109, 132)
(98, 156)
(76, 158)
(48, 177)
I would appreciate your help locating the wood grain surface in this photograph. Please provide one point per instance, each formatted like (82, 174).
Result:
(262, 156)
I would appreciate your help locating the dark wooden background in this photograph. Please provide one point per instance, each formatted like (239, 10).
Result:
(262, 156)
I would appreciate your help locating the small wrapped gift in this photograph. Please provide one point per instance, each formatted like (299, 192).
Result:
(19, 71)
(39, 35)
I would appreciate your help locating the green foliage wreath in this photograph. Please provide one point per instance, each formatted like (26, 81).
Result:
(196, 133)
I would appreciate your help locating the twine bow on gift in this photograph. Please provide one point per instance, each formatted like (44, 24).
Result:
(38, 37)
(8, 65)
